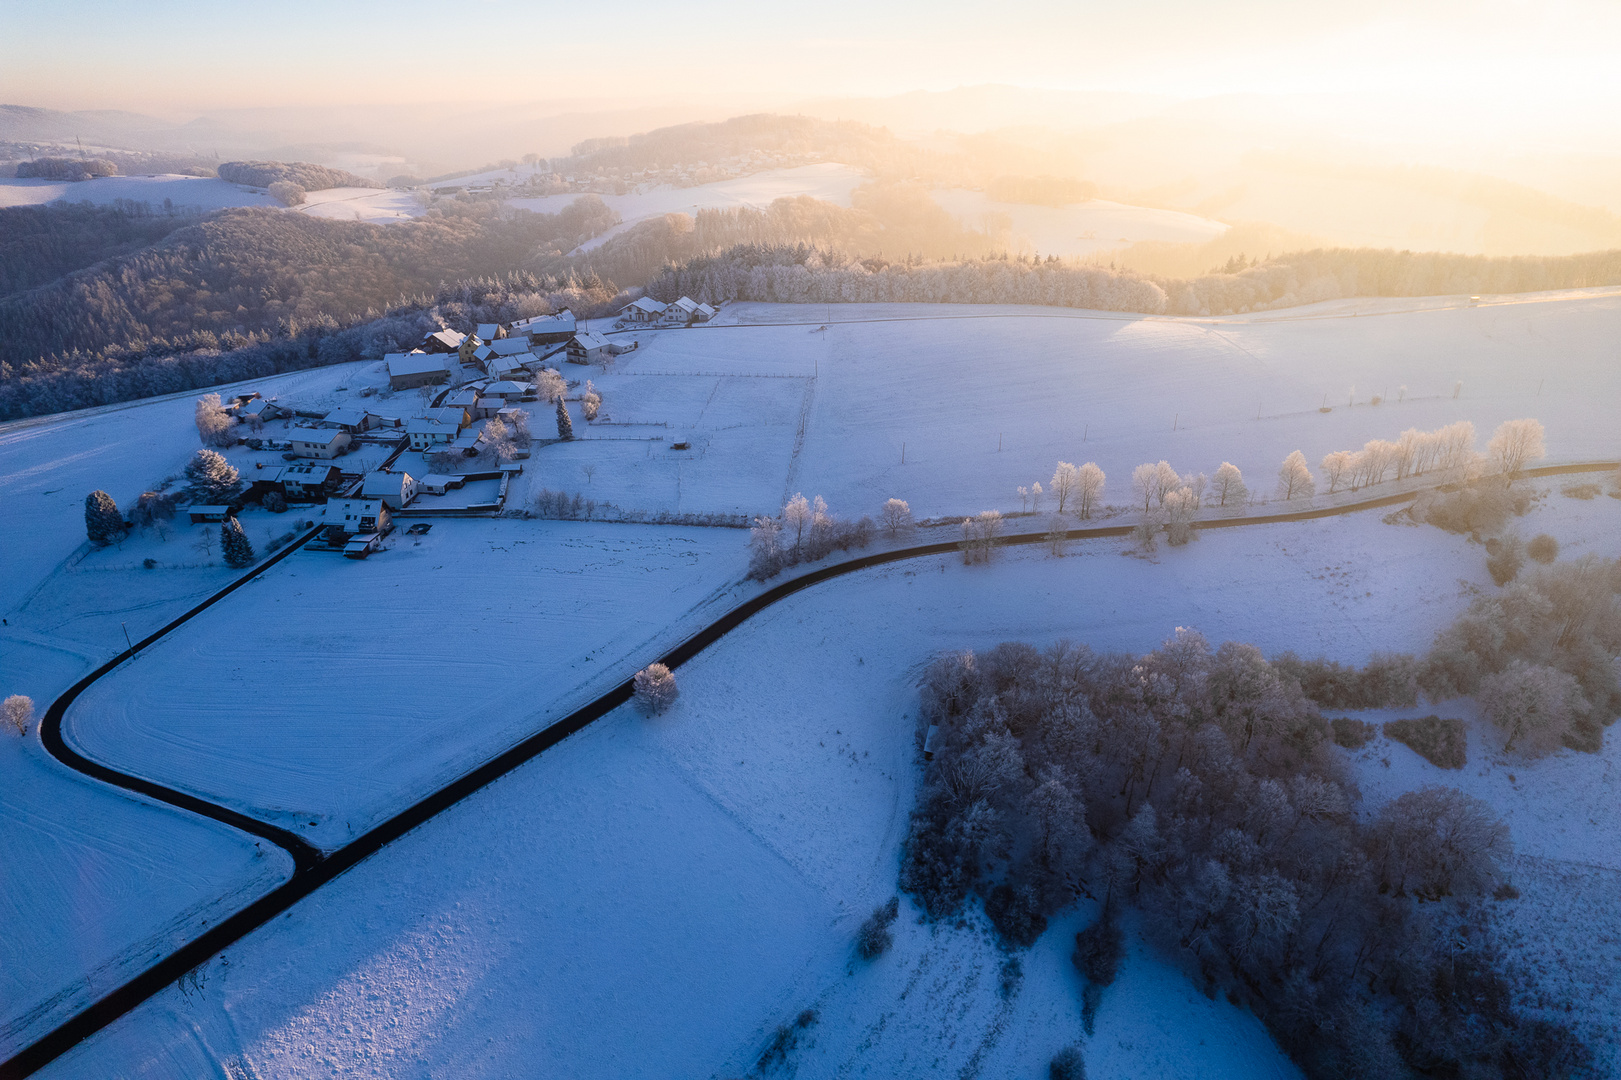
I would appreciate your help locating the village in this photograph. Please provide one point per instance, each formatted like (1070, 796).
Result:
(454, 451)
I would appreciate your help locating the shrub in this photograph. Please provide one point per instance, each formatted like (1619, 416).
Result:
(1016, 914)
(1479, 509)
(1580, 491)
(150, 564)
(1504, 558)
(275, 502)
(1097, 954)
(1440, 742)
(1067, 1064)
(784, 1041)
(874, 938)
(17, 712)
(1543, 548)
(654, 688)
(1352, 734)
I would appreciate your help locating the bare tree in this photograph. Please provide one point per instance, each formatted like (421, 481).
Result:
(1532, 705)
(1229, 484)
(654, 688)
(1057, 536)
(1065, 479)
(1294, 479)
(1024, 498)
(1145, 482)
(589, 470)
(896, 517)
(1335, 468)
(1514, 444)
(980, 536)
(1181, 506)
(18, 712)
(796, 518)
(1035, 497)
(1089, 488)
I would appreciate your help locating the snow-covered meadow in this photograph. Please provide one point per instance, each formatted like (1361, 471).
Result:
(656, 896)
(209, 193)
(1077, 229)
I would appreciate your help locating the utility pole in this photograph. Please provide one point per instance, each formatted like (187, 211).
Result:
(127, 641)
(903, 453)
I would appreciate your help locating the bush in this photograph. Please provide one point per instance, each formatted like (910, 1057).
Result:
(287, 193)
(1440, 742)
(1097, 954)
(1389, 680)
(1016, 914)
(784, 1041)
(654, 688)
(1580, 491)
(275, 502)
(1067, 1064)
(1352, 734)
(1478, 509)
(1504, 558)
(1543, 548)
(874, 938)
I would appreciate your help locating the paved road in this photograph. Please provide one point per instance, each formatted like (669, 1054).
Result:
(313, 870)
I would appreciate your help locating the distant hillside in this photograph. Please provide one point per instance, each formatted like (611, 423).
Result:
(302, 173)
(39, 244)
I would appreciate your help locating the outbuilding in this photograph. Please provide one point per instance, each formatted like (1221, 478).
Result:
(202, 515)
(354, 421)
(547, 329)
(407, 371)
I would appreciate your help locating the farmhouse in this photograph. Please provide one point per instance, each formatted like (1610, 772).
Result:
(360, 515)
(703, 314)
(443, 341)
(644, 309)
(547, 329)
(397, 489)
(321, 443)
(306, 482)
(406, 371)
(685, 308)
(354, 421)
(588, 348)
(426, 434)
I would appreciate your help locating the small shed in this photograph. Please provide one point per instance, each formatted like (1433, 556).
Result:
(704, 313)
(439, 483)
(363, 545)
(202, 515)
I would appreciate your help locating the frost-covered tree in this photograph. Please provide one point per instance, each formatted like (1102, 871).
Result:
(1515, 444)
(1181, 507)
(1088, 488)
(590, 401)
(1532, 705)
(1144, 483)
(1336, 468)
(1196, 483)
(796, 521)
(151, 508)
(518, 430)
(102, 521)
(766, 556)
(1166, 480)
(234, 544)
(1294, 478)
(18, 713)
(654, 688)
(213, 422)
(1024, 497)
(549, 385)
(896, 517)
(1057, 535)
(1065, 479)
(1036, 495)
(565, 426)
(980, 536)
(1229, 485)
(1437, 842)
(210, 479)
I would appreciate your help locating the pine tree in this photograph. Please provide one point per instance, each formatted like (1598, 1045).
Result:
(102, 521)
(210, 479)
(565, 426)
(234, 544)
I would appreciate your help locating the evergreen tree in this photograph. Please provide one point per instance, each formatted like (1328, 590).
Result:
(565, 426)
(102, 521)
(234, 544)
(210, 479)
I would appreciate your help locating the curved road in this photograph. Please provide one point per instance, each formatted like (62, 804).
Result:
(312, 869)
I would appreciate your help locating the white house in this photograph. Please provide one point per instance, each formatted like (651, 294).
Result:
(683, 309)
(588, 348)
(427, 435)
(644, 309)
(359, 515)
(407, 371)
(319, 443)
(299, 482)
(704, 313)
(443, 341)
(397, 489)
(505, 388)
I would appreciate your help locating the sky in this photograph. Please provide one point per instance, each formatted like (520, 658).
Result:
(176, 58)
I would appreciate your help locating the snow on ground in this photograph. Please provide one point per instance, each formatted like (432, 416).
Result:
(1077, 228)
(206, 193)
(828, 180)
(982, 400)
(380, 206)
(416, 665)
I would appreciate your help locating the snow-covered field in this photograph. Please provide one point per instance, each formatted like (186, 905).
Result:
(829, 180)
(636, 862)
(1077, 228)
(206, 193)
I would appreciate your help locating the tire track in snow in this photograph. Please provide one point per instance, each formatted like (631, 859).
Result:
(313, 870)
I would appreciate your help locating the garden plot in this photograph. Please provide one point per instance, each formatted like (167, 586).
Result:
(568, 913)
(329, 694)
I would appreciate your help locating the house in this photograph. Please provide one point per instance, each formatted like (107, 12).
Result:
(683, 309)
(397, 489)
(704, 313)
(504, 367)
(259, 408)
(505, 388)
(319, 442)
(481, 355)
(443, 341)
(457, 416)
(354, 421)
(428, 435)
(588, 348)
(547, 329)
(360, 516)
(643, 309)
(509, 346)
(203, 514)
(488, 407)
(461, 399)
(489, 331)
(303, 483)
(407, 371)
